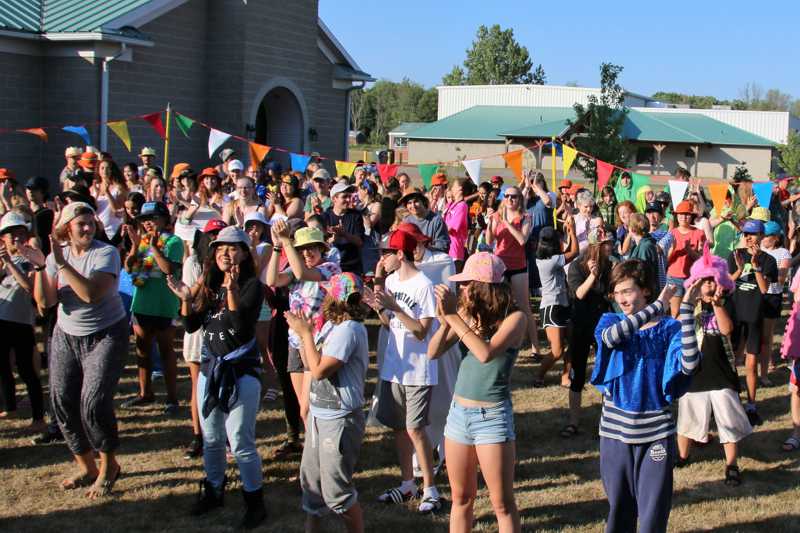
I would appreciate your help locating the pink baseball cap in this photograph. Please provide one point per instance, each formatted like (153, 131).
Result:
(483, 267)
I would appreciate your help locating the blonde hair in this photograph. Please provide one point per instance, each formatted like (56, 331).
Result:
(638, 224)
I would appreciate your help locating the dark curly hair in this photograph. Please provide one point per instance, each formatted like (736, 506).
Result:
(487, 304)
(337, 312)
(641, 275)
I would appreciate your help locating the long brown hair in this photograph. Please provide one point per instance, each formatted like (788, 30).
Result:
(487, 305)
(337, 312)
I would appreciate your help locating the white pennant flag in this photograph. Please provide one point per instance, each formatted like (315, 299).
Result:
(473, 167)
(216, 139)
(677, 190)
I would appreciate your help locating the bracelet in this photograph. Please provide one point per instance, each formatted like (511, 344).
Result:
(757, 270)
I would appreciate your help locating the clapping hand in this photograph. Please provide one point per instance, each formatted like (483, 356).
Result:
(386, 301)
(297, 323)
(57, 250)
(666, 295)
(594, 268)
(446, 301)
(280, 230)
(370, 300)
(231, 281)
(32, 254)
(179, 289)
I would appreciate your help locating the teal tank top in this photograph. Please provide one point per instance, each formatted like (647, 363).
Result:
(486, 382)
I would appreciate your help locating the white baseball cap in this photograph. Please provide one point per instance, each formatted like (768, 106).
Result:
(13, 219)
(235, 164)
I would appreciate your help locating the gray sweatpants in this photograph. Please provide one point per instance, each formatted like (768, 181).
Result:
(84, 372)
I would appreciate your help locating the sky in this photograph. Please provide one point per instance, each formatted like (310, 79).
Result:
(700, 47)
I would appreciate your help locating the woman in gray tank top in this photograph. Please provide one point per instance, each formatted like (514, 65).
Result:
(480, 424)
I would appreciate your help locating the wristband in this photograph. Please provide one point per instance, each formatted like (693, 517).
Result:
(39, 268)
(756, 270)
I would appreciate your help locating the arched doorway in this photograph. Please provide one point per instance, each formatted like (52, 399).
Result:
(279, 123)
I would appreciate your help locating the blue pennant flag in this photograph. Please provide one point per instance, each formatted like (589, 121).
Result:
(79, 130)
(763, 192)
(299, 161)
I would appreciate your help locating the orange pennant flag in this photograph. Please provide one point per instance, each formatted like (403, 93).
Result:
(514, 162)
(257, 153)
(718, 193)
(39, 132)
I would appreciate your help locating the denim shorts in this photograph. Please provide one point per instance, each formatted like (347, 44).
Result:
(480, 425)
(678, 282)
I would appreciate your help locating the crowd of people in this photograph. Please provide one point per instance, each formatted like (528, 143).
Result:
(271, 274)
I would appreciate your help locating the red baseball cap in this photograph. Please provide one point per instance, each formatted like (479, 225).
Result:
(214, 224)
(497, 179)
(439, 178)
(413, 230)
(401, 240)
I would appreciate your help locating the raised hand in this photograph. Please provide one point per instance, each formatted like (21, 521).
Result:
(446, 299)
(693, 292)
(667, 293)
(32, 254)
(179, 289)
(594, 268)
(297, 323)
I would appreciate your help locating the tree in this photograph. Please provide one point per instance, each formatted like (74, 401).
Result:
(602, 121)
(428, 106)
(789, 159)
(496, 58)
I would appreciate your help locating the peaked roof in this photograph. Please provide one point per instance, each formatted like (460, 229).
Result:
(406, 128)
(62, 16)
(494, 123)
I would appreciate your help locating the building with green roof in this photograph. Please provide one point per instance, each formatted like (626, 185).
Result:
(269, 71)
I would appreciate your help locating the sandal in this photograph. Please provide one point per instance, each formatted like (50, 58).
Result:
(430, 504)
(83, 479)
(395, 496)
(791, 444)
(102, 487)
(569, 431)
(733, 478)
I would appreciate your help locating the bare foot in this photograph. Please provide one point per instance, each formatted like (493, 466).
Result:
(81, 479)
(103, 485)
(8, 414)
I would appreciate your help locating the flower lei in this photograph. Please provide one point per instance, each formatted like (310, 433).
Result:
(144, 263)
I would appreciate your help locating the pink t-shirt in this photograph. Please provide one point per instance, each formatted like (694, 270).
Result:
(455, 217)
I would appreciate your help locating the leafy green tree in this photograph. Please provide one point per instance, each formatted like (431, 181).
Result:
(428, 106)
(601, 122)
(496, 58)
(789, 158)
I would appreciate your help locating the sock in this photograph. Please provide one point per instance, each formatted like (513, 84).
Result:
(430, 491)
(407, 486)
(750, 407)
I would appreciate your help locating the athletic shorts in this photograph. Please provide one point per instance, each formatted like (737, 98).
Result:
(555, 316)
(794, 367)
(403, 406)
(265, 313)
(508, 274)
(158, 323)
(772, 305)
(678, 282)
(695, 410)
(751, 332)
(480, 425)
(294, 363)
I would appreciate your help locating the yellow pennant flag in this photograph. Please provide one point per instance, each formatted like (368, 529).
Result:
(568, 158)
(120, 128)
(345, 168)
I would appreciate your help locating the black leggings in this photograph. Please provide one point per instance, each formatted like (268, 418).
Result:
(579, 346)
(279, 346)
(19, 337)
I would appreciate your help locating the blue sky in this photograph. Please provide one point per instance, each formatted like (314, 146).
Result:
(699, 47)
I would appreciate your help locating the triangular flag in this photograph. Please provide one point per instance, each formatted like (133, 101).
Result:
(257, 153)
(79, 130)
(39, 132)
(718, 193)
(299, 161)
(120, 128)
(473, 167)
(387, 171)
(427, 172)
(345, 168)
(514, 162)
(763, 192)
(184, 123)
(604, 171)
(639, 181)
(216, 139)
(677, 190)
(569, 157)
(154, 119)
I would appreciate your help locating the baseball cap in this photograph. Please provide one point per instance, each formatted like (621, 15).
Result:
(413, 230)
(321, 174)
(255, 216)
(654, 207)
(753, 226)
(72, 211)
(12, 219)
(483, 267)
(440, 178)
(72, 151)
(340, 188)
(565, 184)
(497, 180)
(235, 165)
(178, 169)
(226, 154)
(38, 183)
(416, 193)
(209, 171)
(342, 286)
(153, 209)
(685, 208)
(214, 224)
(231, 235)
(770, 228)
(401, 240)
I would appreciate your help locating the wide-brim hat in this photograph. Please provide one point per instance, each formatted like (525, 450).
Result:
(308, 236)
(416, 193)
(147, 151)
(12, 219)
(685, 208)
(231, 235)
(483, 267)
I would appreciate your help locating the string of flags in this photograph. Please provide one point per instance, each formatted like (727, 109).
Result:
(514, 160)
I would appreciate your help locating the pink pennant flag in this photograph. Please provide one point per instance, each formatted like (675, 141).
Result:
(604, 171)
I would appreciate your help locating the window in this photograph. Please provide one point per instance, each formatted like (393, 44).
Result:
(689, 153)
(645, 155)
(400, 142)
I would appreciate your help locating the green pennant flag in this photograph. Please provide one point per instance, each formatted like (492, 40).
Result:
(427, 171)
(184, 123)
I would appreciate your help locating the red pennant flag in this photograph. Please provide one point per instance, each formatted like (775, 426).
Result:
(387, 171)
(514, 162)
(257, 153)
(604, 171)
(154, 119)
(39, 132)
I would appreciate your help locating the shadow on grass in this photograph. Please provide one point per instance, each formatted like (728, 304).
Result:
(776, 524)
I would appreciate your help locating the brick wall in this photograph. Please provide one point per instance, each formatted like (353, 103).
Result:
(20, 107)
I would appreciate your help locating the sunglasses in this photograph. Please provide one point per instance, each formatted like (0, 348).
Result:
(513, 196)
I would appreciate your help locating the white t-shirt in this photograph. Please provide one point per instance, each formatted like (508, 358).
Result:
(406, 358)
(781, 255)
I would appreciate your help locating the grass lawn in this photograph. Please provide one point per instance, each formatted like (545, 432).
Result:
(557, 481)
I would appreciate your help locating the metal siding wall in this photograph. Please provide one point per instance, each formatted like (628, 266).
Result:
(458, 98)
(772, 125)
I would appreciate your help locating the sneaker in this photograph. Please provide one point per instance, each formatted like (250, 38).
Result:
(195, 449)
(754, 418)
(137, 401)
(156, 374)
(287, 449)
(271, 395)
(171, 409)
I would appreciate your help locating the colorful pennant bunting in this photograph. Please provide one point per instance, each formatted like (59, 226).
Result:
(473, 168)
(79, 130)
(387, 171)
(427, 172)
(514, 162)
(39, 132)
(718, 192)
(216, 139)
(763, 192)
(677, 190)
(120, 128)
(604, 171)
(299, 161)
(569, 158)
(154, 119)
(184, 124)
(257, 153)
(345, 168)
